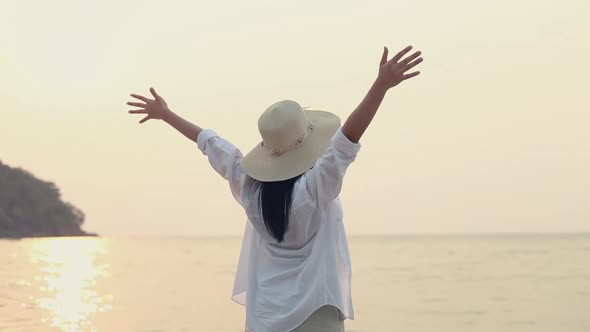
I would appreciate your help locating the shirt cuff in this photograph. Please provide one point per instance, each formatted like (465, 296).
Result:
(203, 137)
(344, 145)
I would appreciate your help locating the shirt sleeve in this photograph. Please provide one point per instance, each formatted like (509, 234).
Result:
(324, 180)
(225, 159)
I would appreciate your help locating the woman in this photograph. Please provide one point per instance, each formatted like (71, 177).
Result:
(294, 269)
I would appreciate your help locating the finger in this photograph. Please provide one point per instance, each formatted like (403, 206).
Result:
(401, 54)
(137, 104)
(410, 75)
(410, 58)
(411, 65)
(154, 93)
(384, 56)
(144, 119)
(138, 111)
(140, 97)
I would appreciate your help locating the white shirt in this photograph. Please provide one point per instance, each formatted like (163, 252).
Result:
(282, 284)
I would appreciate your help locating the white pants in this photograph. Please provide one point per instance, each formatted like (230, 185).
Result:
(325, 319)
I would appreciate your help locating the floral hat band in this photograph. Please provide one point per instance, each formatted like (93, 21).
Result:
(291, 145)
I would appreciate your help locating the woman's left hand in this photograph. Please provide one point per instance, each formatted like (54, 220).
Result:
(156, 108)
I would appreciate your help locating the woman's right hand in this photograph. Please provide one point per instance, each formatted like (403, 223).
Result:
(154, 108)
(393, 71)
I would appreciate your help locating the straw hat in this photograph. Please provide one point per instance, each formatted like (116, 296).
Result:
(292, 141)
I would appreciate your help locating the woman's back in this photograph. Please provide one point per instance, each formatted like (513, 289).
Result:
(283, 283)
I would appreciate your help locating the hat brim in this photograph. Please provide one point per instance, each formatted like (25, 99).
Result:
(261, 165)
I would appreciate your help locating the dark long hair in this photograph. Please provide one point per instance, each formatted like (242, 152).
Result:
(275, 200)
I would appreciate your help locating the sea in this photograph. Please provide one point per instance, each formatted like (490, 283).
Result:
(412, 283)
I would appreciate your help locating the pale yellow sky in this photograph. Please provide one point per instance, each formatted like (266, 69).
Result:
(492, 137)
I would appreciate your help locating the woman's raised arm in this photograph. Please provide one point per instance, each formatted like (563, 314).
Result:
(157, 108)
(223, 156)
(391, 73)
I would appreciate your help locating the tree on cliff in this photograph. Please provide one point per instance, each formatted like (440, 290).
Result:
(31, 207)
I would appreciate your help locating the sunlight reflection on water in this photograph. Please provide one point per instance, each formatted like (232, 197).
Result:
(66, 280)
(517, 283)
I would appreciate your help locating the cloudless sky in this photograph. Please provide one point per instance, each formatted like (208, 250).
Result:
(493, 136)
